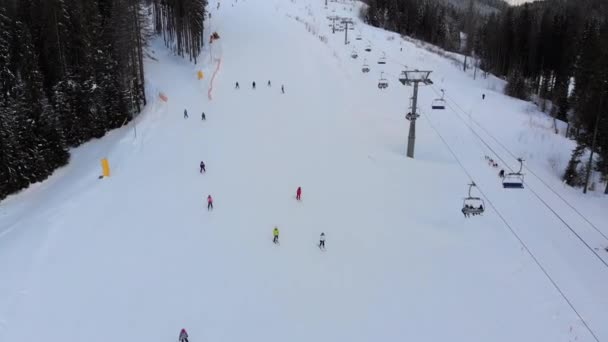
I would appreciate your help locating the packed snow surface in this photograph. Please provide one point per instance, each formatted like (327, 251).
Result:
(137, 256)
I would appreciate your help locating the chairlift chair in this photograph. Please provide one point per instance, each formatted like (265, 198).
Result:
(473, 205)
(382, 59)
(403, 77)
(383, 82)
(514, 180)
(368, 48)
(354, 54)
(359, 37)
(365, 67)
(439, 103)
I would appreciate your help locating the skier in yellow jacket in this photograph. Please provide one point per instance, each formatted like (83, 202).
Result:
(275, 235)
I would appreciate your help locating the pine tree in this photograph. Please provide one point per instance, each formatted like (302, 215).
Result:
(43, 135)
(86, 57)
(181, 24)
(572, 175)
(516, 85)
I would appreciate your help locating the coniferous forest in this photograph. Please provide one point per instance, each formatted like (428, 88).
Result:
(72, 70)
(555, 51)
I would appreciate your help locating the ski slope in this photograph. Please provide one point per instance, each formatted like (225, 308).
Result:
(137, 256)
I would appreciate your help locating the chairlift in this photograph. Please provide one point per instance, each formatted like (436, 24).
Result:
(382, 59)
(403, 77)
(354, 54)
(383, 82)
(409, 116)
(514, 180)
(359, 37)
(365, 67)
(439, 103)
(368, 48)
(472, 205)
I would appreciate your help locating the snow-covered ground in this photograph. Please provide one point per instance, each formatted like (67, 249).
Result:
(136, 257)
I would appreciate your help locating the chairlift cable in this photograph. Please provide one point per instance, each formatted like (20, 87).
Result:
(537, 177)
(523, 244)
(529, 188)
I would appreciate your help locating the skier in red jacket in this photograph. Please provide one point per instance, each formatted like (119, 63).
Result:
(299, 193)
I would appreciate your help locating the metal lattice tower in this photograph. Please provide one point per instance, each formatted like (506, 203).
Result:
(415, 77)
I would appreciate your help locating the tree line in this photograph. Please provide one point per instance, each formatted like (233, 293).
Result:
(554, 51)
(72, 70)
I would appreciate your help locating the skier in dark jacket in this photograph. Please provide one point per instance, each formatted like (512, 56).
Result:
(185, 114)
(183, 336)
(202, 167)
(237, 86)
(253, 85)
(501, 174)
(203, 117)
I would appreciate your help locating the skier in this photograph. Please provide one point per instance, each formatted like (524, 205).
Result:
(322, 241)
(282, 89)
(203, 117)
(465, 210)
(275, 235)
(183, 336)
(202, 167)
(483, 96)
(185, 114)
(237, 86)
(299, 193)
(253, 85)
(269, 83)
(209, 203)
(501, 174)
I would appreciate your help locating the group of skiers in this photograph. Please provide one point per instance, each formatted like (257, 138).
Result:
(203, 116)
(491, 162)
(203, 169)
(237, 86)
(275, 231)
(494, 164)
(275, 238)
